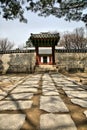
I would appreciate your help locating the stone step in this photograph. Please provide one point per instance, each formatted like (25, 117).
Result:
(44, 68)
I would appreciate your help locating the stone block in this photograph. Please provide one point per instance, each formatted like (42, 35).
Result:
(15, 105)
(20, 96)
(80, 102)
(79, 94)
(52, 104)
(56, 122)
(11, 121)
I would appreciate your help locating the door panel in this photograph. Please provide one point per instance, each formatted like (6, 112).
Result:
(45, 59)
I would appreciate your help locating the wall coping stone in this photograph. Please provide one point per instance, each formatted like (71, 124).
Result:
(16, 51)
(71, 50)
(56, 50)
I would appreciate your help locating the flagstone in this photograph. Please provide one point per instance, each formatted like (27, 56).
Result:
(1, 97)
(85, 112)
(3, 93)
(31, 90)
(79, 102)
(30, 82)
(56, 122)
(20, 96)
(79, 94)
(27, 86)
(69, 88)
(15, 105)
(11, 121)
(49, 90)
(52, 104)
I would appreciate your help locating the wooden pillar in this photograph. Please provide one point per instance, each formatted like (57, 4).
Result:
(53, 54)
(36, 55)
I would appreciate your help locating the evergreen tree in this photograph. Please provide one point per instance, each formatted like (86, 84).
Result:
(69, 9)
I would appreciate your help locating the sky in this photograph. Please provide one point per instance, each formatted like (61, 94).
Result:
(19, 33)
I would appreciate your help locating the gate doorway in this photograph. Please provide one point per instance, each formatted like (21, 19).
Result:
(44, 59)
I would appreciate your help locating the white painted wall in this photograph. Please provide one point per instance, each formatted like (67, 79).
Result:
(41, 59)
(48, 59)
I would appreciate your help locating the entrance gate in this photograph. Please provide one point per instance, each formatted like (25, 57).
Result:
(45, 40)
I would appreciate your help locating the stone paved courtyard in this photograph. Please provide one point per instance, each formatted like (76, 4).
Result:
(42, 102)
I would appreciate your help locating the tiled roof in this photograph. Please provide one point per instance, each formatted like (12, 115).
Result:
(45, 35)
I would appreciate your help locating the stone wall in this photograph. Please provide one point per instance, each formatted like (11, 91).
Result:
(17, 62)
(71, 61)
(24, 61)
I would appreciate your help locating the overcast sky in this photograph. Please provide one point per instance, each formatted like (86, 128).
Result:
(19, 32)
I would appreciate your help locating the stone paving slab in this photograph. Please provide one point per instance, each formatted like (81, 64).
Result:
(85, 112)
(62, 80)
(84, 87)
(71, 88)
(49, 90)
(79, 102)
(48, 87)
(1, 97)
(30, 82)
(15, 105)
(52, 104)
(20, 96)
(5, 80)
(67, 84)
(28, 86)
(6, 89)
(59, 85)
(63, 83)
(72, 85)
(15, 79)
(56, 122)
(2, 94)
(79, 94)
(46, 84)
(31, 90)
(49, 93)
(11, 121)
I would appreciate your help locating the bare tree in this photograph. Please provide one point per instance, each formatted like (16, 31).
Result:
(5, 44)
(65, 41)
(74, 40)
